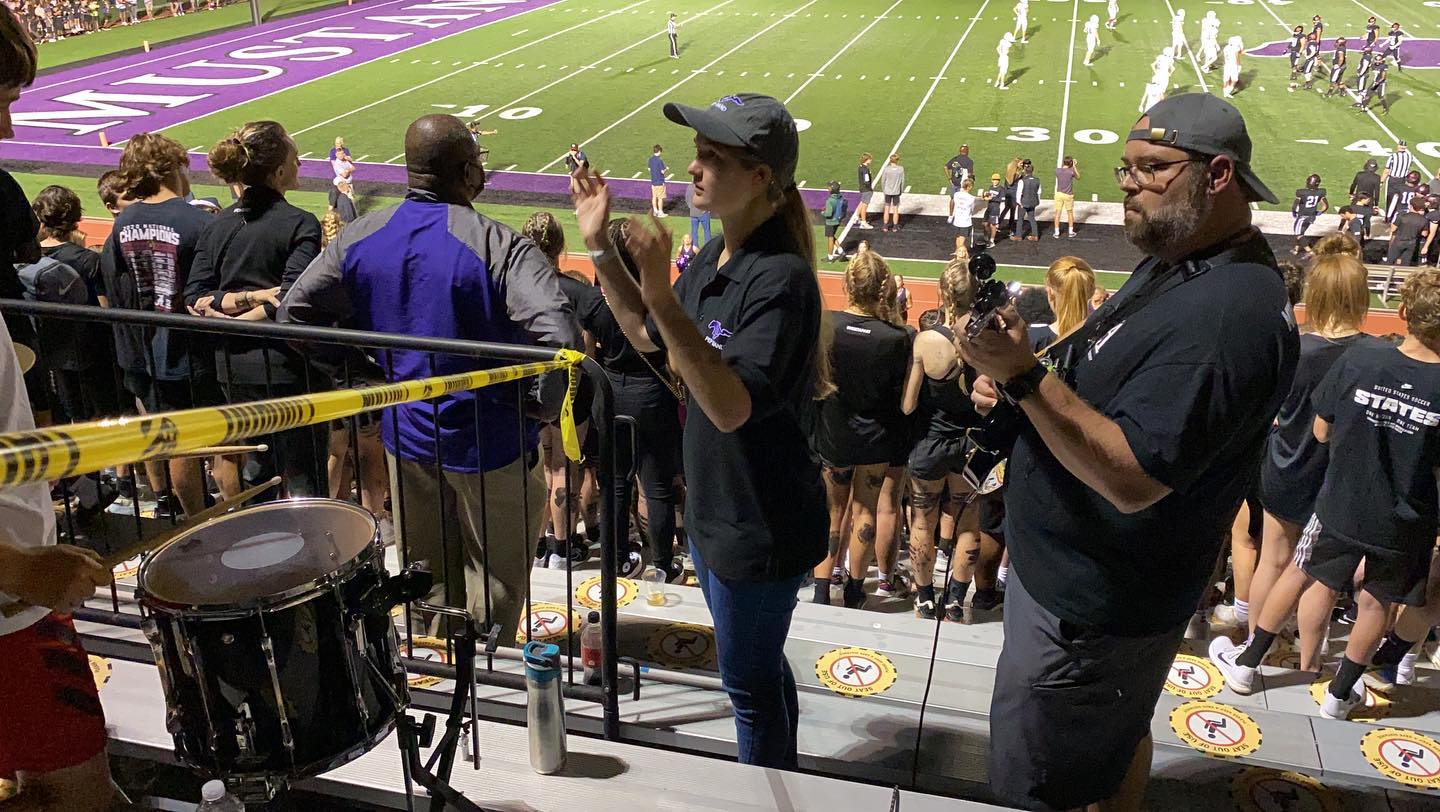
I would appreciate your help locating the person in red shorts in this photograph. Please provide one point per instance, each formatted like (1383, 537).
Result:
(52, 728)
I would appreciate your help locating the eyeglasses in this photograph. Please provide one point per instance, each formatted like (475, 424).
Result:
(1144, 174)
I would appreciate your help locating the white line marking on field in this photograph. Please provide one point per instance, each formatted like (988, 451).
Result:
(1065, 105)
(396, 158)
(362, 157)
(987, 129)
(1322, 141)
(443, 77)
(518, 33)
(307, 155)
(821, 70)
(666, 92)
(510, 167)
(1393, 137)
(636, 175)
(1195, 63)
(561, 31)
(1373, 12)
(801, 184)
(923, 101)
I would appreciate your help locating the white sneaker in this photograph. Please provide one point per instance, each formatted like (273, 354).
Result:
(1332, 708)
(863, 224)
(1056, 235)
(1225, 615)
(1239, 678)
(556, 562)
(1072, 232)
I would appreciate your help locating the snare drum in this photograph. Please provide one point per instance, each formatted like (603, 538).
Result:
(273, 655)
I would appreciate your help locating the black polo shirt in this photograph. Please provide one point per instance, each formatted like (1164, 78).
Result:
(1193, 380)
(755, 504)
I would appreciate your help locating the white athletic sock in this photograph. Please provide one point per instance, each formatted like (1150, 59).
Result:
(1242, 610)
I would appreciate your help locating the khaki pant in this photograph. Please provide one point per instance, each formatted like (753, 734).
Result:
(427, 532)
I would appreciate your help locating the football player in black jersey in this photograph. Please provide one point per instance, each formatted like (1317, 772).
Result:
(1392, 45)
(1400, 198)
(1362, 70)
(1338, 62)
(1309, 203)
(1430, 252)
(1309, 56)
(1292, 50)
(1317, 27)
(1376, 90)
(1364, 208)
(1372, 31)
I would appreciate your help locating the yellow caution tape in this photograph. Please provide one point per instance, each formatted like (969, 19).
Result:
(80, 448)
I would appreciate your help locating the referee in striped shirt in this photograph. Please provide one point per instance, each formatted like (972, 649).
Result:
(1397, 166)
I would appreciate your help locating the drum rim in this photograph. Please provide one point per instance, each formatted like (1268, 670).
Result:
(364, 557)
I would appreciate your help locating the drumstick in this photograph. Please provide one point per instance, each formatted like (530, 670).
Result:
(147, 545)
(216, 450)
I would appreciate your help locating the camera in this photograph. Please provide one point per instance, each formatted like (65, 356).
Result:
(991, 294)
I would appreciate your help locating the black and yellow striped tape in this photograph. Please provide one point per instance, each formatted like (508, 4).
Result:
(80, 448)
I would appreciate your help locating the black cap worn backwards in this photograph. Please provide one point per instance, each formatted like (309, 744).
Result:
(1200, 122)
(758, 124)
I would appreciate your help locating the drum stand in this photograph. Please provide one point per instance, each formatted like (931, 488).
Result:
(415, 734)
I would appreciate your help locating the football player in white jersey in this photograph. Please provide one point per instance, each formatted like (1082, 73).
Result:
(1092, 37)
(1154, 94)
(1177, 32)
(1163, 67)
(1112, 9)
(1003, 50)
(1234, 47)
(1022, 21)
(1209, 41)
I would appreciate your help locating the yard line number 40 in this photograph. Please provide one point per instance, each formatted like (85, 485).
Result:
(1370, 146)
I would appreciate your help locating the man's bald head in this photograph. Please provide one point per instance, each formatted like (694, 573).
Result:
(437, 150)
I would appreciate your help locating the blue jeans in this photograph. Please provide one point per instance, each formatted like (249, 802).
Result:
(697, 223)
(752, 620)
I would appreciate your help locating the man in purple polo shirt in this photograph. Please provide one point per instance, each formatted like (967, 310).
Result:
(433, 266)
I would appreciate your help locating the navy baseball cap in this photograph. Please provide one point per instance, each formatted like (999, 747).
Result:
(1200, 122)
(758, 124)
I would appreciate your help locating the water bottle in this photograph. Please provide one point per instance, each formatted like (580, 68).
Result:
(545, 715)
(590, 649)
(214, 798)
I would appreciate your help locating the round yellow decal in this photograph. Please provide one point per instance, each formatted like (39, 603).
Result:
(1215, 729)
(1257, 789)
(548, 621)
(854, 671)
(588, 592)
(431, 649)
(1193, 677)
(100, 669)
(1411, 758)
(683, 645)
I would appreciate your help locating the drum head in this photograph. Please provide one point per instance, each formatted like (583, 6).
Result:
(259, 552)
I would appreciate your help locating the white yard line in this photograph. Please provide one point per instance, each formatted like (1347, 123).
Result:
(584, 68)
(455, 72)
(1393, 137)
(539, 40)
(842, 50)
(1190, 52)
(840, 239)
(1065, 105)
(1377, 15)
(667, 91)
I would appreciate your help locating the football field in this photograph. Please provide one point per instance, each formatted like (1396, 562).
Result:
(909, 76)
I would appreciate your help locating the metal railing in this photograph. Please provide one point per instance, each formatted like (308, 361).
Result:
(315, 343)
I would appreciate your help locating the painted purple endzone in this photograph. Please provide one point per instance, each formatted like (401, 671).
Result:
(1417, 53)
(178, 81)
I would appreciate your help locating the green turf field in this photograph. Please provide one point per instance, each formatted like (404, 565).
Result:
(124, 39)
(911, 76)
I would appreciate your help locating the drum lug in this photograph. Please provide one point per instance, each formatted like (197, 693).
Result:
(151, 630)
(245, 730)
(288, 740)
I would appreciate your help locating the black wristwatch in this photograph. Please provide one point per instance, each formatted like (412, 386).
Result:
(1024, 385)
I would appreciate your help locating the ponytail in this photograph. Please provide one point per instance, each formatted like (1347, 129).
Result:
(796, 217)
(1071, 282)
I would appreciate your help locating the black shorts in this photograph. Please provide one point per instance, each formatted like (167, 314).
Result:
(963, 231)
(1288, 496)
(830, 230)
(1303, 223)
(937, 456)
(892, 200)
(992, 219)
(992, 513)
(157, 395)
(1392, 576)
(1059, 690)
